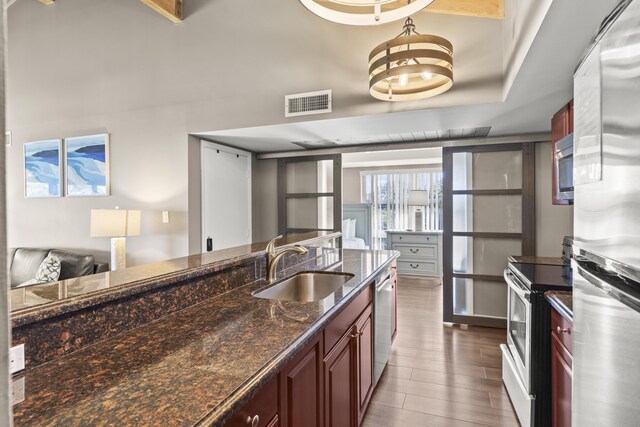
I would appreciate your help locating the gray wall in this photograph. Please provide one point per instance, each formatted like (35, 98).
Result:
(88, 66)
(265, 199)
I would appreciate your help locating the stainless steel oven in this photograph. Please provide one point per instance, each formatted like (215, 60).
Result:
(516, 354)
(519, 326)
(563, 164)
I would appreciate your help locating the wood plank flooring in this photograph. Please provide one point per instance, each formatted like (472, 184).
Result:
(439, 375)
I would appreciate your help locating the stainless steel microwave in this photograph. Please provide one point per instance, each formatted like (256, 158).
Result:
(563, 162)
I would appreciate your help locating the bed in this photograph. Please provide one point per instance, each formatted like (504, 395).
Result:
(357, 236)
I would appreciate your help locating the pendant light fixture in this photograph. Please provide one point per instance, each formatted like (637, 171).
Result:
(365, 12)
(411, 66)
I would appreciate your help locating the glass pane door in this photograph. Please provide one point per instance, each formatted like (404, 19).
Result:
(309, 194)
(488, 216)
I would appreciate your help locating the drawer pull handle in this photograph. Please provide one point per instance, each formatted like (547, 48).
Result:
(414, 251)
(253, 422)
(414, 265)
(561, 330)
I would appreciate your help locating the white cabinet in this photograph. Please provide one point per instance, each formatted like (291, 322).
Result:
(420, 252)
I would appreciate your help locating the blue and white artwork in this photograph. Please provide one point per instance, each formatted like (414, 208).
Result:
(87, 165)
(42, 168)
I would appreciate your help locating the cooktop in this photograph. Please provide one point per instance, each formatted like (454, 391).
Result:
(543, 277)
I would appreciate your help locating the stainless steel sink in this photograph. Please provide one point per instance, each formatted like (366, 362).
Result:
(305, 287)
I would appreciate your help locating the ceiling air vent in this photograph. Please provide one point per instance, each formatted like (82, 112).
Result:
(302, 104)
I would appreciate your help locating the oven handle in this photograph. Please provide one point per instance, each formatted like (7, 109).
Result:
(513, 283)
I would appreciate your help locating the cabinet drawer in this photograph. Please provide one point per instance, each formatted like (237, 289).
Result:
(562, 329)
(414, 238)
(264, 405)
(343, 321)
(417, 251)
(418, 267)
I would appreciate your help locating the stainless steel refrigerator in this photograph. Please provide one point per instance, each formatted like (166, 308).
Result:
(606, 268)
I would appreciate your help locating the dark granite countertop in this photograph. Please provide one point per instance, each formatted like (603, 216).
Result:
(39, 302)
(536, 260)
(194, 367)
(562, 301)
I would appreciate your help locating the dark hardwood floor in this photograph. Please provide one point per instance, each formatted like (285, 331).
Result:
(439, 375)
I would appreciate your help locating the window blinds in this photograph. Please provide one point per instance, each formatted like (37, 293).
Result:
(388, 191)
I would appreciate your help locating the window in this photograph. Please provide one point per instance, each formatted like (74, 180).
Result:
(388, 191)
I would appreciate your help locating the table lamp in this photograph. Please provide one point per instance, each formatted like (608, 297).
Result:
(117, 224)
(419, 198)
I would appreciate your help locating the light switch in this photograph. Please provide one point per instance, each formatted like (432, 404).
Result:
(165, 217)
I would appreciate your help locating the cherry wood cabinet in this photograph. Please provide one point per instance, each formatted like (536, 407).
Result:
(301, 388)
(561, 126)
(364, 360)
(329, 383)
(261, 411)
(561, 370)
(348, 374)
(339, 381)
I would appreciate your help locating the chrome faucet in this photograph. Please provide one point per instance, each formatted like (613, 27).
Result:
(274, 256)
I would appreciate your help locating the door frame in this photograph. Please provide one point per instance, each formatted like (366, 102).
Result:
(527, 234)
(208, 145)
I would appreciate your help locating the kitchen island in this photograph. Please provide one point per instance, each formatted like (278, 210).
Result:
(197, 366)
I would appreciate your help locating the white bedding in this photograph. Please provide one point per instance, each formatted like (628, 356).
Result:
(354, 243)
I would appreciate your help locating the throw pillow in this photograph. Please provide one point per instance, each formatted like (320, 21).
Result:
(345, 227)
(352, 229)
(49, 270)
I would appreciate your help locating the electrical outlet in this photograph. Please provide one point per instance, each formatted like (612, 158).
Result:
(16, 358)
(165, 217)
(17, 391)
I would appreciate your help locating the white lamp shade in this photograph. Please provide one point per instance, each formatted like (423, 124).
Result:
(418, 198)
(115, 223)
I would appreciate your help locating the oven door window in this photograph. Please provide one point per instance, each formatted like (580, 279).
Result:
(518, 323)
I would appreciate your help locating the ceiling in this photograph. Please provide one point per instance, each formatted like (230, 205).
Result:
(543, 84)
(422, 157)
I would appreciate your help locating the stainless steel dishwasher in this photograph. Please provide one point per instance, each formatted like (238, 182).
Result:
(382, 322)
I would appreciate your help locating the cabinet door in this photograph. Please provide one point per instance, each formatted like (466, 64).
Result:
(364, 370)
(339, 381)
(301, 388)
(561, 374)
(394, 306)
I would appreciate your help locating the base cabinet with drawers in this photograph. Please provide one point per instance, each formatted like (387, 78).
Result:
(420, 252)
(561, 370)
(330, 382)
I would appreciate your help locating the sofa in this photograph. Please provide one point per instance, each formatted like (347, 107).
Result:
(24, 263)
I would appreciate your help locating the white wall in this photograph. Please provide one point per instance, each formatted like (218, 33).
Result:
(351, 186)
(87, 66)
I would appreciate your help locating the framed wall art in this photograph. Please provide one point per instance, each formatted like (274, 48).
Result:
(42, 171)
(87, 165)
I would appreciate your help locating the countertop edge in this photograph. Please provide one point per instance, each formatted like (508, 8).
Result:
(224, 411)
(559, 305)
